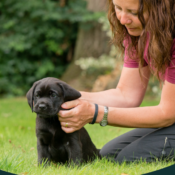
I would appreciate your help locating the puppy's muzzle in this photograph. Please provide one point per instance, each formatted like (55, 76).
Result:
(45, 110)
(42, 107)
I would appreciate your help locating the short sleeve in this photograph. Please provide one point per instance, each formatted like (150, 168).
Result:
(128, 62)
(170, 70)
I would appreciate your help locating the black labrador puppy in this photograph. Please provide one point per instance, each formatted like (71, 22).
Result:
(53, 144)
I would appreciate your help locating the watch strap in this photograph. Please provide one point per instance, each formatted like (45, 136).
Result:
(104, 122)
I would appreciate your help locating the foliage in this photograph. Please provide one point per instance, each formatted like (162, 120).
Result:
(92, 67)
(103, 65)
(154, 88)
(37, 39)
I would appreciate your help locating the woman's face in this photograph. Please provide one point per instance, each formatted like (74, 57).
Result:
(127, 14)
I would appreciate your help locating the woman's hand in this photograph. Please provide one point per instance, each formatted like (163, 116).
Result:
(79, 113)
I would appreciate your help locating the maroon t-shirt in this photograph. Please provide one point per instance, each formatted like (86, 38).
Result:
(170, 70)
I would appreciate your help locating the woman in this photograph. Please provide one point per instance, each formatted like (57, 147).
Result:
(144, 30)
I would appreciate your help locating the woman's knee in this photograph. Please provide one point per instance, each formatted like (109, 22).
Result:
(109, 150)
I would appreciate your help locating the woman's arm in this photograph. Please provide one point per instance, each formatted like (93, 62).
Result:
(162, 115)
(128, 93)
(125, 101)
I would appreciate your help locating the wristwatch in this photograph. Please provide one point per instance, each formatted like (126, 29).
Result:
(104, 122)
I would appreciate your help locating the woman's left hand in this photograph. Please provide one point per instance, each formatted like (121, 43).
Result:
(78, 113)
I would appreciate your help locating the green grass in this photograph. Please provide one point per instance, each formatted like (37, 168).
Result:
(18, 145)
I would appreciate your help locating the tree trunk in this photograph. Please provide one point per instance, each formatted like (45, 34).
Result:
(90, 43)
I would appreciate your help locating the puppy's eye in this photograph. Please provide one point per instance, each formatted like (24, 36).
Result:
(37, 95)
(53, 94)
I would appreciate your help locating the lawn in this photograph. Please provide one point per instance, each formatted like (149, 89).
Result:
(18, 145)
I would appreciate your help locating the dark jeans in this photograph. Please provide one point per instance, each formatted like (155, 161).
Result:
(143, 143)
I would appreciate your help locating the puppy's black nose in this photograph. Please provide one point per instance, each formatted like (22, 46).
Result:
(42, 106)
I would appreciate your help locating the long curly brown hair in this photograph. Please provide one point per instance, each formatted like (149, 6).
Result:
(160, 27)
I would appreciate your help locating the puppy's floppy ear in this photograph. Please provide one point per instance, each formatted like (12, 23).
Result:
(69, 92)
(30, 94)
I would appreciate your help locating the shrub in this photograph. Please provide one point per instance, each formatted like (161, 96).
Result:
(37, 39)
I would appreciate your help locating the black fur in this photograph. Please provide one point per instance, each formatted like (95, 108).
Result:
(53, 144)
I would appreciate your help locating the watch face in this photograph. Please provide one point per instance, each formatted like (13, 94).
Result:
(103, 123)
